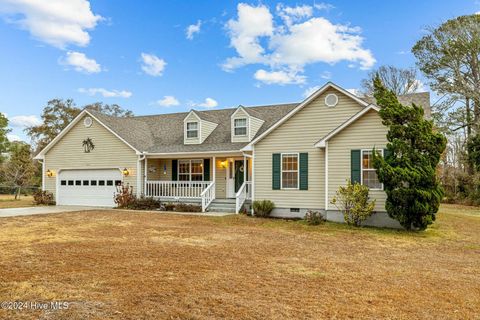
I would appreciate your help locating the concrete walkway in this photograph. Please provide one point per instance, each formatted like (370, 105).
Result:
(13, 212)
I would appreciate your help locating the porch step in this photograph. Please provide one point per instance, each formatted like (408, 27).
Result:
(222, 205)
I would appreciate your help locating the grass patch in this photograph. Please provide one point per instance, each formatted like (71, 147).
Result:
(8, 201)
(137, 265)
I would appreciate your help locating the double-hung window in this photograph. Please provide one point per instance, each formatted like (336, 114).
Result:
(190, 170)
(290, 172)
(369, 173)
(240, 126)
(192, 130)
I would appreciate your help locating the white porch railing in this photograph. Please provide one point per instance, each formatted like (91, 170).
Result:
(208, 195)
(244, 193)
(176, 189)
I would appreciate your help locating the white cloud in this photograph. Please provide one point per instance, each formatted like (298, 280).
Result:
(80, 62)
(209, 103)
(288, 47)
(192, 29)
(153, 65)
(355, 91)
(13, 137)
(106, 93)
(24, 121)
(252, 23)
(168, 101)
(326, 75)
(292, 14)
(56, 22)
(278, 77)
(323, 6)
(309, 91)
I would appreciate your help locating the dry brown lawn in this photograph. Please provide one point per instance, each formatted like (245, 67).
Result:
(8, 201)
(128, 265)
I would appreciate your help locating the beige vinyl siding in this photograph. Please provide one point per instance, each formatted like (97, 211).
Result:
(365, 133)
(221, 179)
(255, 125)
(192, 117)
(155, 169)
(109, 152)
(299, 134)
(207, 128)
(239, 114)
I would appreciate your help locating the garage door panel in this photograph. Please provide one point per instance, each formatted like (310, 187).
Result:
(88, 187)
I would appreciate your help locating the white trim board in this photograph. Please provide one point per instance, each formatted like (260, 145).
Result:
(322, 142)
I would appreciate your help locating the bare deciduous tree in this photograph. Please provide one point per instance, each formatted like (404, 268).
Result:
(400, 81)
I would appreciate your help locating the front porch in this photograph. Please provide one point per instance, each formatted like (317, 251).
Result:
(199, 179)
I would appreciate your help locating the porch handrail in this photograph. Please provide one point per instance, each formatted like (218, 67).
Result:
(244, 193)
(175, 189)
(208, 195)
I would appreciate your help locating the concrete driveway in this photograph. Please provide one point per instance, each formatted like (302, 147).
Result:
(13, 212)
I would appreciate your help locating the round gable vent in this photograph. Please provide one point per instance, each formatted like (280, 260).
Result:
(331, 100)
(87, 122)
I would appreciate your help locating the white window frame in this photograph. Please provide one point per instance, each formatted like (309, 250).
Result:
(362, 169)
(298, 170)
(190, 170)
(235, 127)
(192, 130)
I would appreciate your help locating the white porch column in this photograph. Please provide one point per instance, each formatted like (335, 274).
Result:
(139, 177)
(145, 172)
(244, 168)
(326, 177)
(214, 168)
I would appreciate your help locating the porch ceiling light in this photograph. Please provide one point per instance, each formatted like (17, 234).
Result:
(125, 172)
(49, 173)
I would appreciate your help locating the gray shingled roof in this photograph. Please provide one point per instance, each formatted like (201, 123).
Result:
(420, 99)
(164, 133)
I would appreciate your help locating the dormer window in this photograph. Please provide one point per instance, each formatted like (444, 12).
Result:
(192, 130)
(240, 127)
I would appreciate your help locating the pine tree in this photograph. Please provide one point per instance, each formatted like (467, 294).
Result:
(408, 171)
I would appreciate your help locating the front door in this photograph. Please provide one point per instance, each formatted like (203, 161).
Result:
(239, 174)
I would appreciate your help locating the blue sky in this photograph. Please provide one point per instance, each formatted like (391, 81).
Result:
(167, 56)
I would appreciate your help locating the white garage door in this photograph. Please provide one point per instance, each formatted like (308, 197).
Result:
(88, 187)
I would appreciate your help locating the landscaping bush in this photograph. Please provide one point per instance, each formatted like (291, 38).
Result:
(262, 208)
(43, 197)
(185, 207)
(124, 196)
(352, 200)
(145, 204)
(314, 218)
(169, 206)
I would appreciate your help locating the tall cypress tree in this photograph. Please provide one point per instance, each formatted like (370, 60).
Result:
(408, 170)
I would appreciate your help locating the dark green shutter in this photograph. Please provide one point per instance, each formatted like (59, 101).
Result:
(355, 166)
(174, 170)
(206, 169)
(303, 171)
(276, 171)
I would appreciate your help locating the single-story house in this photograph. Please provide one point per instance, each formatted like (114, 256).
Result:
(296, 155)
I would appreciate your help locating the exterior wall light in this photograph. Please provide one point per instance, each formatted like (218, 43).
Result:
(49, 173)
(223, 164)
(125, 172)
